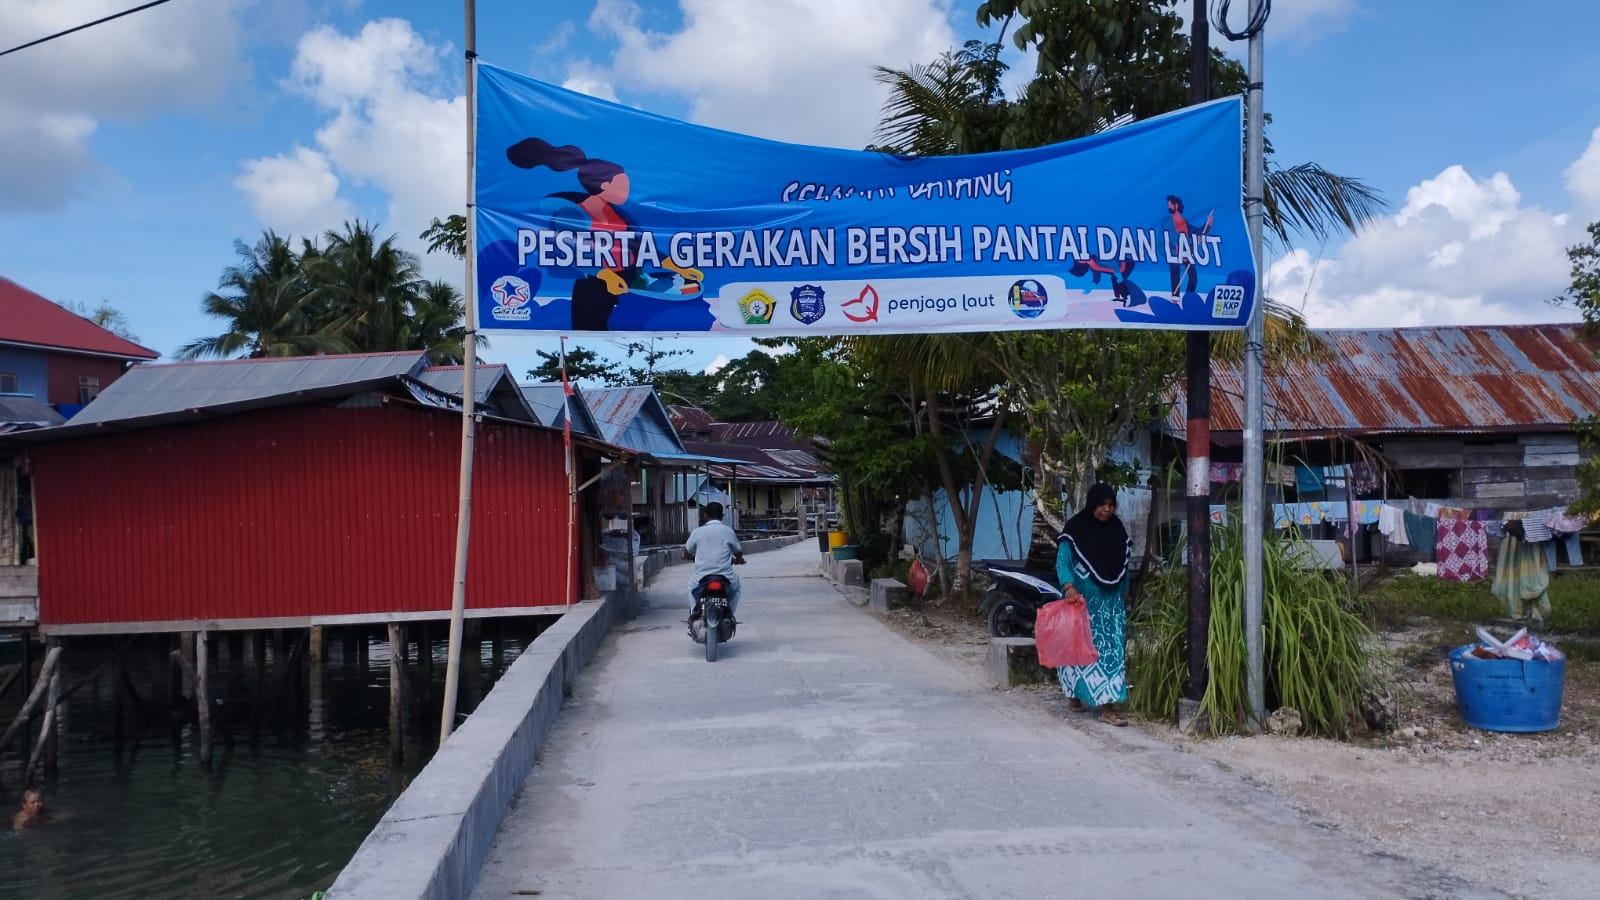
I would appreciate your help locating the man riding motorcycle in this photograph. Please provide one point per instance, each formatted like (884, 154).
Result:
(715, 550)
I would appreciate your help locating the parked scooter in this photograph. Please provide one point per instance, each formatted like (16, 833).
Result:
(712, 622)
(1013, 599)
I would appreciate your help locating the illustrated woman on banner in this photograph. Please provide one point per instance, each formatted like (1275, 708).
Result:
(605, 188)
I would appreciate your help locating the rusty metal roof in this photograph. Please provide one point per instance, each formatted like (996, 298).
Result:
(1442, 379)
(634, 417)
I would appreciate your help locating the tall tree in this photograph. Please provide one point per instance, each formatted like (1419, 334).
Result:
(583, 365)
(1583, 294)
(106, 316)
(266, 301)
(365, 284)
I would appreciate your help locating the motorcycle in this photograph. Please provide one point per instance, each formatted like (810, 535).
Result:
(1013, 599)
(712, 622)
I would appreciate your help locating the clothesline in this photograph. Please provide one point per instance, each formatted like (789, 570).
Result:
(1456, 539)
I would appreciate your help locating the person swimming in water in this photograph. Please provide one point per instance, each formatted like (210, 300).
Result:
(32, 811)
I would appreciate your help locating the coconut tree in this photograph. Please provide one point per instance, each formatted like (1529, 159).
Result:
(365, 286)
(268, 305)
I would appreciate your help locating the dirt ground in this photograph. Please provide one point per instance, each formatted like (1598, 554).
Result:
(1519, 813)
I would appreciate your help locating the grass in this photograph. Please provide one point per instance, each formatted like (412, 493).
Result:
(1394, 601)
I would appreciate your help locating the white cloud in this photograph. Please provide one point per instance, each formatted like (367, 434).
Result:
(717, 365)
(173, 56)
(799, 70)
(1583, 179)
(391, 126)
(1299, 20)
(294, 193)
(1462, 250)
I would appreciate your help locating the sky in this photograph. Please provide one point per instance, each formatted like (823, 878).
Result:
(134, 154)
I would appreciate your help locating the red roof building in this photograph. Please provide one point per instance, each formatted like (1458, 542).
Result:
(55, 356)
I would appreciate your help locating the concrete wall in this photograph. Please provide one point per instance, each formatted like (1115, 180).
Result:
(432, 842)
(434, 839)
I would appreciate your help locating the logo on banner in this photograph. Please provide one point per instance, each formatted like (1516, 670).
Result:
(1028, 298)
(805, 304)
(864, 308)
(511, 296)
(1227, 301)
(757, 307)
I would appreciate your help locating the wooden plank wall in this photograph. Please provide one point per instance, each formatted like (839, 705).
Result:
(1530, 471)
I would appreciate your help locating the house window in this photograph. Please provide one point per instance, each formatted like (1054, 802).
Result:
(1433, 484)
(8, 383)
(88, 388)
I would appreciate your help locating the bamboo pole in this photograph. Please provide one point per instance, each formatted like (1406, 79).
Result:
(52, 715)
(469, 352)
(38, 692)
(41, 748)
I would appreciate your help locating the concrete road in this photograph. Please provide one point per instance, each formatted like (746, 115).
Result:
(826, 756)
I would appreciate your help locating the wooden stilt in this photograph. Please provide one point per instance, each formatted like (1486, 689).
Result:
(258, 674)
(116, 675)
(11, 678)
(397, 685)
(202, 693)
(186, 644)
(52, 715)
(316, 645)
(471, 663)
(132, 692)
(40, 688)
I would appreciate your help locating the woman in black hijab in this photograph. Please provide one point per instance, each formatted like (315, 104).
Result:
(1092, 563)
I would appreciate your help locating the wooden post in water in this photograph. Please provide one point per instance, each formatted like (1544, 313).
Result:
(52, 715)
(186, 645)
(40, 688)
(116, 676)
(258, 674)
(397, 687)
(202, 693)
(316, 646)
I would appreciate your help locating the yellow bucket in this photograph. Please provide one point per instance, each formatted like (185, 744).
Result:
(836, 539)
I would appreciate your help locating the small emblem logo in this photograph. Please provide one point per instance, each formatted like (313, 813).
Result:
(1028, 298)
(864, 308)
(806, 304)
(757, 307)
(511, 297)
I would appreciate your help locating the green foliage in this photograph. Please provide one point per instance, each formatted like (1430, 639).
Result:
(354, 292)
(106, 316)
(583, 366)
(1583, 293)
(448, 236)
(1574, 601)
(1317, 647)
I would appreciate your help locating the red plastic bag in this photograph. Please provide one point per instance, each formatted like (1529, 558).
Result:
(1062, 635)
(918, 578)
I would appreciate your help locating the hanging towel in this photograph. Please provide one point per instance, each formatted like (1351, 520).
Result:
(1534, 527)
(1422, 532)
(1521, 579)
(1308, 481)
(1392, 524)
(1463, 551)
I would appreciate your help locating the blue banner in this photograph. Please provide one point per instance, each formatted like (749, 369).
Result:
(593, 216)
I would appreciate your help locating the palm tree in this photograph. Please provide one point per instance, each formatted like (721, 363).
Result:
(435, 322)
(269, 308)
(365, 286)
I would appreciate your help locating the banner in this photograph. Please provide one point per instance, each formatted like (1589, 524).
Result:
(593, 216)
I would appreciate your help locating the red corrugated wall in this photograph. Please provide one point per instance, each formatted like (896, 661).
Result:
(295, 512)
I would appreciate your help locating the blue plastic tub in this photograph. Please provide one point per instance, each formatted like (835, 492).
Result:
(1508, 694)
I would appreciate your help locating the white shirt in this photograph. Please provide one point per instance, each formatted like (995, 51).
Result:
(714, 545)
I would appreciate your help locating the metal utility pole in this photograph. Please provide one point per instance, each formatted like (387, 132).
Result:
(1254, 421)
(1198, 381)
(469, 344)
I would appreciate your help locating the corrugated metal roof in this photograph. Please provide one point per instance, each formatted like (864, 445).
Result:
(497, 392)
(633, 417)
(1442, 379)
(755, 464)
(29, 319)
(178, 391)
(548, 402)
(26, 412)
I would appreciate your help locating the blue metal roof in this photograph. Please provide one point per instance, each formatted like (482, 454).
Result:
(634, 417)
